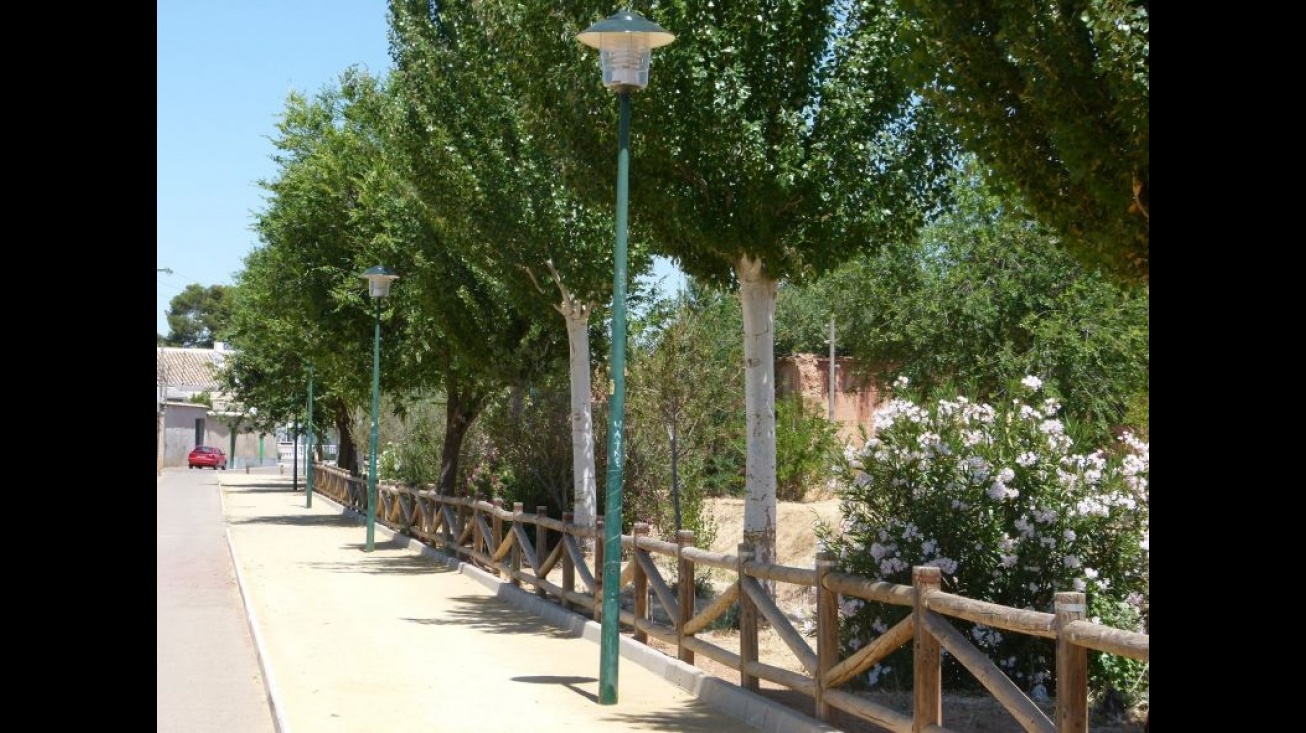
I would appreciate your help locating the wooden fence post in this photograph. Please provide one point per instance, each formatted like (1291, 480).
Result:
(516, 546)
(685, 571)
(460, 512)
(541, 546)
(827, 631)
(478, 541)
(596, 605)
(747, 622)
(496, 529)
(927, 657)
(568, 567)
(1072, 667)
(640, 530)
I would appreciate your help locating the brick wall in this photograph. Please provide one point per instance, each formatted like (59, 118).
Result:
(854, 400)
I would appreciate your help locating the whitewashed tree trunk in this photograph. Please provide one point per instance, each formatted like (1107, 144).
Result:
(582, 421)
(757, 292)
(584, 489)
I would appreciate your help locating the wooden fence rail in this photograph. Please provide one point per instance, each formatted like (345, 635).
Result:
(502, 542)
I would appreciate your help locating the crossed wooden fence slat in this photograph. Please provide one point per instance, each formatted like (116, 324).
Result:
(472, 528)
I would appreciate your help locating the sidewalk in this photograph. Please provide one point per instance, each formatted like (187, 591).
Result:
(404, 639)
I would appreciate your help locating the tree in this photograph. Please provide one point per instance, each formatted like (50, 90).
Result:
(1054, 100)
(773, 142)
(984, 298)
(198, 316)
(300, 300)
(492, 190)
(686, 409)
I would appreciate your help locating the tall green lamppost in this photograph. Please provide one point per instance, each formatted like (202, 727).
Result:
(308, 446)
(378, 286)
(625, 40)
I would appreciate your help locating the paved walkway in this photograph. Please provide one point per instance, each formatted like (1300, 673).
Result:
(403, 638)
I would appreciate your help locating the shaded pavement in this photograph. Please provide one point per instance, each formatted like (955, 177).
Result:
(399, 638)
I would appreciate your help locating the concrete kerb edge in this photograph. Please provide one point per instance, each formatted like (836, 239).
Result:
(260, 647)
(752, 709)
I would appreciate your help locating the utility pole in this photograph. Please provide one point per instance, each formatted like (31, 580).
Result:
(832, 385)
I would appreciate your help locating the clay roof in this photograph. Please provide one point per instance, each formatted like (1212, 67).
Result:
(189, 370)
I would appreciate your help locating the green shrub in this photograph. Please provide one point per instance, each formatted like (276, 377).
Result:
(997, 499)
(806, 447)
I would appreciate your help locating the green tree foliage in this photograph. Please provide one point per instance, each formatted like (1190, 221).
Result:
(301, 299)
(411, 442)
(802, 319)
(199, 316)
(807, 447)
(520, 450)
(470, 156)
(986, 297)
(1054, 100)
(772, 143)
(490, 201)
(685, 437)
(773, 130)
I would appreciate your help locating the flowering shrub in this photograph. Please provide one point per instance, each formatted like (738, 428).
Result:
(489, 478)
(998, 499)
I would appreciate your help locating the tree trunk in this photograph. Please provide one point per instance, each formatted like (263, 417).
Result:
(346, 456)
(462, 408)
(757, 291)
(582, 421)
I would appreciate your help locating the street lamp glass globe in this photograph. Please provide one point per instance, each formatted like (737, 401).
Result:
(378, 281)
(625, 40)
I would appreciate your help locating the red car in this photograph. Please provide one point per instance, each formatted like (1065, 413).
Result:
(206, 456)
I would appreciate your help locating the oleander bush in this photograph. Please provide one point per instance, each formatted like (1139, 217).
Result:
(1012, 510)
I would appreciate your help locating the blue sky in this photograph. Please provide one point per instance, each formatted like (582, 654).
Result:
(224, 70)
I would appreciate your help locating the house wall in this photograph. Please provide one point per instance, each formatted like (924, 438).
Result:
(854, 400)
(179, 438)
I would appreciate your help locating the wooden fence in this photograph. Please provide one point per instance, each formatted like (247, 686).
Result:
(527, 548)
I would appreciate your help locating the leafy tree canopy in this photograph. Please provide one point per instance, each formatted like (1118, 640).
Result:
(985, 298)
(1054, 100)
(199, 316)
(775, 131)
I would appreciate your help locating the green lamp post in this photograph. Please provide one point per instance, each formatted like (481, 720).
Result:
(378, 287)
(308, 446)
(625, 40)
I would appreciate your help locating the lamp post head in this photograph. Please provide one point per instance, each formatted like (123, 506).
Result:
(378, 281)
(625, 40)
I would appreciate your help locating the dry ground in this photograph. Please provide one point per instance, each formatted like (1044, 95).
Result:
(796, 546)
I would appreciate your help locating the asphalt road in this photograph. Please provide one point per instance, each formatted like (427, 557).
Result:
(207, 674)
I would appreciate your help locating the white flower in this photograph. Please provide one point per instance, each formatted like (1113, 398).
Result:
(1033, 383)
